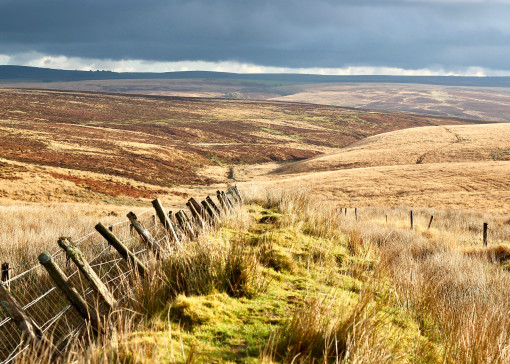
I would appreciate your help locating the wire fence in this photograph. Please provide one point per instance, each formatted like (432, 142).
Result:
(37, 294)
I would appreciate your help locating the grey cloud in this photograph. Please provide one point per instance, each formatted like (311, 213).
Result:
(287, 33)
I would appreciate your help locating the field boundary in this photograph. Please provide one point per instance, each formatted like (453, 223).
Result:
(48, 301)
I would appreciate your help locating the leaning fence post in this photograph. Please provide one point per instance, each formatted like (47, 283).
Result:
(6, 275)
(220, 198)
(236, 190)
(214, 217)
(227, 200)
(196, 215)
(63, 283)
(164, 219)
(121, 248)
(25, 323)
(185, 224)
(485, 227)
(213, 205)
(77, 257)
(144, 234)
(430, 221)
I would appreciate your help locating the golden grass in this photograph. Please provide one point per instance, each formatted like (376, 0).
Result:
(450, 167)
(419, 296)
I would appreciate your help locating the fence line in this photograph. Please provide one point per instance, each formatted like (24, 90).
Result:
(47, 305)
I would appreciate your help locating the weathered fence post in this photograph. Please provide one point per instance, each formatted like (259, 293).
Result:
(185, 224)
(412, 219)
(121, 248)
(76, 256)
(145, 235)
(62, 282)
(485, 228)
(199, 222)
(213, 205)
(212, 214)
(345, 211)
(28, 327)
(164, 219)
(430, 221)
(222, 201)
(227, 200)
(6, 275)
(236, 190)
(386, 219)
(356, 213)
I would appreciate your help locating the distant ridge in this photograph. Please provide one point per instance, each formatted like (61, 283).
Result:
(35, 74)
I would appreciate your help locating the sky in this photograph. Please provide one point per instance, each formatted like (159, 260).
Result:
(396, 37)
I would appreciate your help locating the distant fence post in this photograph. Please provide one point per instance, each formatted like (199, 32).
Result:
(430, 221)
(412, 219)
(6, 275)
(356, 213)
(62, 282)
(77, 257)
(485, 228)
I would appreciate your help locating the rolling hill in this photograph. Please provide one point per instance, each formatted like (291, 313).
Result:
(461, 167)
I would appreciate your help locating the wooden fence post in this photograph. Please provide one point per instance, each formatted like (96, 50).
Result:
(356, 213)
(164, 219)
(227, 200)
(232, 194)
(28, 327)
(430, 221)
(62, 282)
(122, 249)
(412, 219)
(345, 211)
(210, 211)
(185, 224)
(199, 222)
(6, 275)
(220, 198)
(386, 219)
(213, 205)
(200, 210)
(145, 235)
(76, 256)
(236, 190)
(485, 228)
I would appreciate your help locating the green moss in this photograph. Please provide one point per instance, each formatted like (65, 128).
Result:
(294, 264)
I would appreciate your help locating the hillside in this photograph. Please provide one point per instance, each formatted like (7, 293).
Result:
(445, 166)
(482, 98)
(75, 146)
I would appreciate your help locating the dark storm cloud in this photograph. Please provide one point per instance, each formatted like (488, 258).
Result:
(287, 33)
